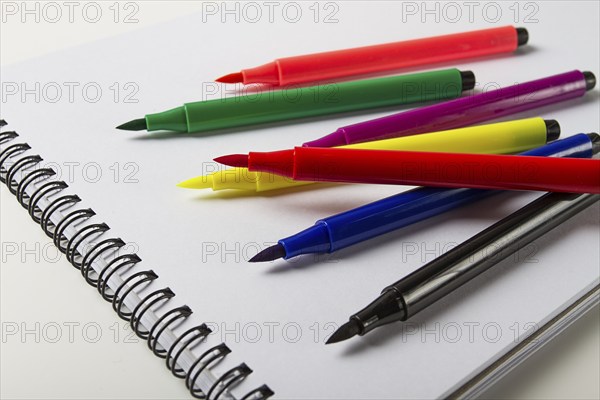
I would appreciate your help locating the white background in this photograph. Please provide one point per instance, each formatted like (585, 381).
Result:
(567, 368)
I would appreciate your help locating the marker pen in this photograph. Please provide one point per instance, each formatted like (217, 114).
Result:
(383, 57)
(438, 278)
(464, 111)
(266, 106)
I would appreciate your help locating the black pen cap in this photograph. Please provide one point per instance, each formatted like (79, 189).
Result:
(552, 129)
(595, 138)
(468, 80)
(590, 80)
(522, 36)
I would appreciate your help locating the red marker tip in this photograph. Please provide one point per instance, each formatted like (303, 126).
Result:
(235, 77)
(234, 160)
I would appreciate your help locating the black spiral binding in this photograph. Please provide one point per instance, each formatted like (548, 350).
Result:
(46, 187)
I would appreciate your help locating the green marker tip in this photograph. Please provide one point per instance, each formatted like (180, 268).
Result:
(135, 125)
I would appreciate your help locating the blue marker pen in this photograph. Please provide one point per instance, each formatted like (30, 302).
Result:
(354, 226)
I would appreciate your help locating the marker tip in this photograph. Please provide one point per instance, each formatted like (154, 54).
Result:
(234, 160)
(135, 125)
(235, 77)
(344, 332)
(269, 254)
(199, 182)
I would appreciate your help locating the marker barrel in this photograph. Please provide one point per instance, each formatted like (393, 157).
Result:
(474, 256)
(447, 170)
(385, 57)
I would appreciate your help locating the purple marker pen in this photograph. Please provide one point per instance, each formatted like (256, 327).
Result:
(464, 111)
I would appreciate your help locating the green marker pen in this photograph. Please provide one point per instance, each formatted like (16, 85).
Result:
(294, 102)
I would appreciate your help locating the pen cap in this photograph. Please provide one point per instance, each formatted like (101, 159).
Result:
(552, 129)
(468, 80)
(590, 80)
(522, 36)
(595, 138)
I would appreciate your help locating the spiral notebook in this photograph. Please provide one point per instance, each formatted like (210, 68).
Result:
(174, 263)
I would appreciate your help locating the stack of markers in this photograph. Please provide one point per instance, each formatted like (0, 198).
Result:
(434, 146)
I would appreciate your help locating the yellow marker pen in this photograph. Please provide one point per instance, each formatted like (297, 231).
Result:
(500, 138)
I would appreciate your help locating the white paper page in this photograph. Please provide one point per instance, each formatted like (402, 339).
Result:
(276, 316)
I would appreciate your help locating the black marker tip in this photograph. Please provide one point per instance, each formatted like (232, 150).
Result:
(590, 80)
(269, 254)
(552, 129)
(468, 80)
(522, 36)
(344, 332)
(135, 125)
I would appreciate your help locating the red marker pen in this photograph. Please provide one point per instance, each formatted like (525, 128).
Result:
(331, 65)
(452, 170)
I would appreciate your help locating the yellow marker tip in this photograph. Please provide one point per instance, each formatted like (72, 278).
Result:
(199, 182)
